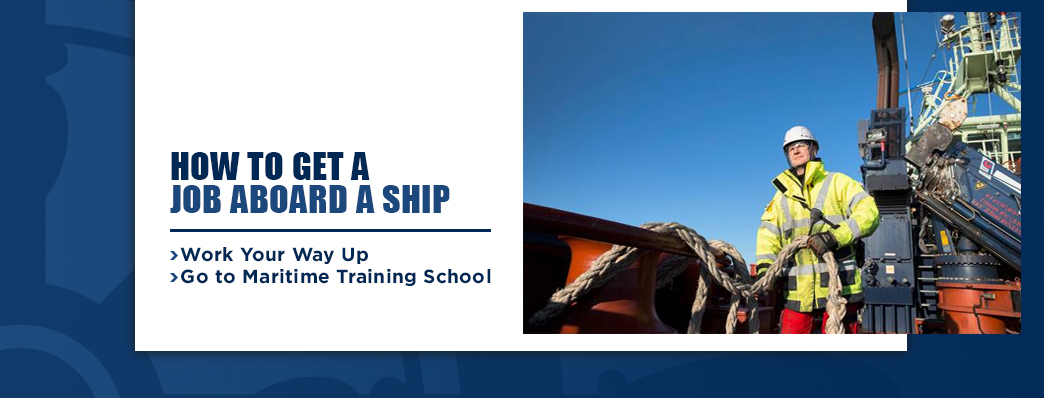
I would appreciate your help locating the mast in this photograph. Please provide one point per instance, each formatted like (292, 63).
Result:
(983, 66)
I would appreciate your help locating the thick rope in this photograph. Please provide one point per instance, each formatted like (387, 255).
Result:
(835, 302)
(618, 258)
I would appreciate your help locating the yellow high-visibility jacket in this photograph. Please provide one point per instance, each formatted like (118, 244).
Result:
(842, 201)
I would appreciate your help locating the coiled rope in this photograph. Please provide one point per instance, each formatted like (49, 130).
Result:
(618, 258)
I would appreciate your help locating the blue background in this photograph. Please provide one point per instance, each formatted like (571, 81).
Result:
(66, 289)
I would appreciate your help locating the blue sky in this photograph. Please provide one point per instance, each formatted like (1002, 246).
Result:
(680, 117)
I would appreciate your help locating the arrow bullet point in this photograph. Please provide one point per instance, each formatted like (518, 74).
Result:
(175, 277)
(174, 255)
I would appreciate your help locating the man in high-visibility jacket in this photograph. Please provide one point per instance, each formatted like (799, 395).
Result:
(802, 191)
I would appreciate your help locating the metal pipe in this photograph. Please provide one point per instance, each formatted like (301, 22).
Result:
(1015, 118)
(1007, 97)
(975, 31)
(887, 60)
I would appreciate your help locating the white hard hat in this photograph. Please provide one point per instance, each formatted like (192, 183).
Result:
(798, 133)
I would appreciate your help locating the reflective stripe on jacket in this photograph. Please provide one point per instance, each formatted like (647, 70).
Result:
(842, 201)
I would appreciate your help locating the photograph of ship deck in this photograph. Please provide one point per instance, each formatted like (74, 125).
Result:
(897, 211)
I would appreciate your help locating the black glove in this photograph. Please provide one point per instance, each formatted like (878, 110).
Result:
(822, 243)
(757, 271)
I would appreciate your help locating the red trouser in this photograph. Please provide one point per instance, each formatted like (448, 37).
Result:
(793, 322)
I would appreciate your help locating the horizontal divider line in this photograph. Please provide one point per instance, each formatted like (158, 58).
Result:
(327, 230)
